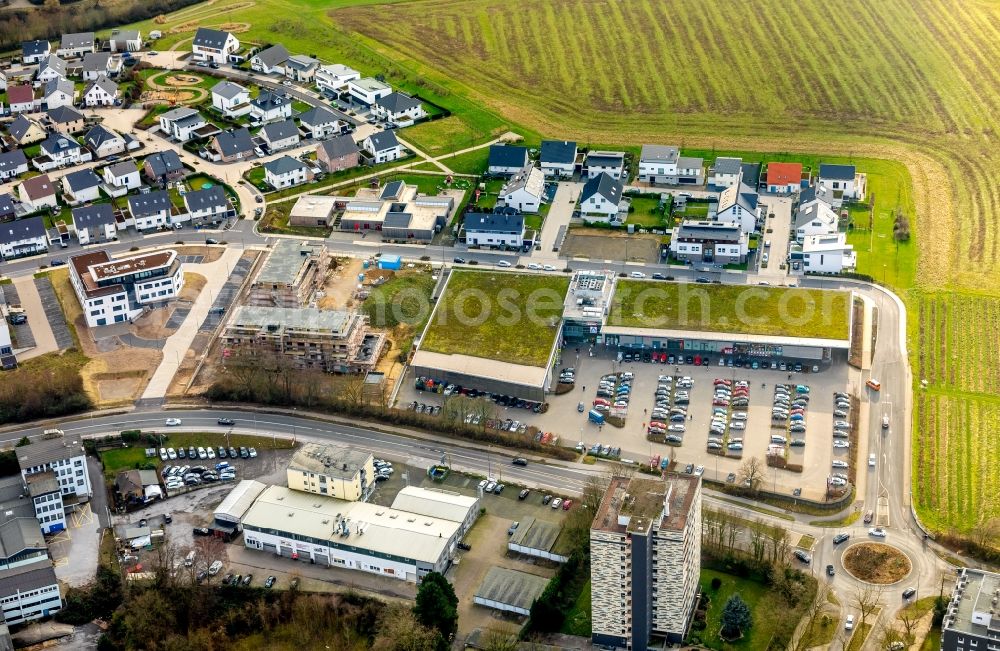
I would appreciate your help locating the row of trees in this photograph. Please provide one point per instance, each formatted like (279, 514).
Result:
(35, 391)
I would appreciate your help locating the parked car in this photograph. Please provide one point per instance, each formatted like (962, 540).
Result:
(802, 556)
(909, 592)
(464, 546)
(512, 528)
(269, 583)
(201, 531)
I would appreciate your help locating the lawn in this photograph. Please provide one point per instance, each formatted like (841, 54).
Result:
(731, 308)
(770, 612)
(471, 162)
(334, 179)
(443, 136)
(403, 300)
(578, 621)
(646, 213)
(275, 220)
(497, 315)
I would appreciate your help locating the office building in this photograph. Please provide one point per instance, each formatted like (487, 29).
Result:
(332, 470)
(972, 621)
(63, 455)
(114, 291)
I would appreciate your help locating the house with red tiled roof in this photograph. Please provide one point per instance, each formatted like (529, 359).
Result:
(784, 178)
(21, 98)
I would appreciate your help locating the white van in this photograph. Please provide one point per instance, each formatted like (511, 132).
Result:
(871, 460)
(189, 559)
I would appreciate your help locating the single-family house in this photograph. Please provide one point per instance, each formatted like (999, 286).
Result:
(38, 193)
(279, 135)
(233, 144)
(51, 67)
(23, 237)
(34, 51)
(213, 45)
(339, 153)
(4, 82)
(12, 164)
(286, 172)
(150, 209)
(7, 208)
(66, 119)
(506, 160)
(611, 163)
(270, 106)
(209, 205)
(332, 79)
(814, 217)
(319, 123)
(25, 130)
(398, 109)
(784, 178)
(181, 123)
(600, 198)
(125, 40)
(843, 182)
(301, 68)
(98, 64)
(658, 164)
(95, 223)
(73, 46)
(690, 171)
(524, 190)
(230, 99)
(100, 92)
(81, 186)
(382, 147)
(124, 175)
(21, 98)
(59, 150)
(104, 142)
(367, 90)
(726, 172)
(163, 167)
(58, 92)
(558, 158)
(270, 60)
(712, 242)
(738, 204)
(823, 254)
(494, 230)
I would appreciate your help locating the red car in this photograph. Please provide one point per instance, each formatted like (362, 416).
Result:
(720, 403)
(602, 401)
(723, 381)
(656, 423)
(567, 504)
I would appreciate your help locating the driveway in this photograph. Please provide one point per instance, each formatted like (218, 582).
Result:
(45, 340)
(781, 226)
(559, 216)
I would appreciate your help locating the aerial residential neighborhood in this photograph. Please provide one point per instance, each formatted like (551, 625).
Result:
(288, 306)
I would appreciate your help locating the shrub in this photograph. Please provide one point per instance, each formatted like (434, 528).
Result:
(716, 583)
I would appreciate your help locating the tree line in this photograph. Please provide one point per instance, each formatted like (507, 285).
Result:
(35, 391)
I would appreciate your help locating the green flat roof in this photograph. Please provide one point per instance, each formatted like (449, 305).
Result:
(504, 316)
(747, 309)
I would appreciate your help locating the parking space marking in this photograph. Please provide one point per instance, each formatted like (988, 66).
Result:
(62, 536)
(82, 517)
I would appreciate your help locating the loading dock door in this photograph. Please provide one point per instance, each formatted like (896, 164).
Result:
(322, 559)
(286, 552)
(273, 549)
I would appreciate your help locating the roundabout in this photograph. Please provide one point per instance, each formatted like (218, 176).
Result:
(876, 563)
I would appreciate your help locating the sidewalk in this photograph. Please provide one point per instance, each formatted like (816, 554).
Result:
(178, 343)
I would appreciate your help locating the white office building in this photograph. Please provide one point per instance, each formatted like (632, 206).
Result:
(61, 454)
(113, 291)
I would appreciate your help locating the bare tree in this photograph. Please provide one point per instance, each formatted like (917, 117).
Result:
(867, 600)
(752, 473)
(735, 529)
(758, 541)
(987, 530)
(777, 538)
(908, 619)
(890, 636)
(208, 549)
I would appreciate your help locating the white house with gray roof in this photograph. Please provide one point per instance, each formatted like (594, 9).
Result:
(23, 237)
(59, 92)
(97, 64)
(494, 230)
(690, 171)
(81, 186)
(611, 163)
(181, 123)
(34, 51)
(150, 209)
(100, 92)
(524, 190)
(600, 199)
(334, 78)
(230, 99)
(280, 135)
(76, 45)
(59, 150)
(709, 241)
(367, 90)
(814, 217)
(208, 205)
(125, 40)
(726, 172)
(104, 142)
(738, 204)
(382, 147)
(270, 106)
(121, 176)
(398, 109)
(286, 172)
(270, 60)
(12, 164)
(95, 223)
(301, 68)
(843, 182)
(64, 455)
(828, 253)
(51, 67)
(213, 45)
(558, 158)
(658, 164)
(320, 123)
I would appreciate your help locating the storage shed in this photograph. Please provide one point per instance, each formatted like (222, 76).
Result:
(393, 262)
(238, 502)
(509, 590)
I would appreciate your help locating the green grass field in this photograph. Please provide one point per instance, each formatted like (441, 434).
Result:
(578, 620)
(443, 136)
(405, 299)
(730, 308)
(498, 315)
(770, 612)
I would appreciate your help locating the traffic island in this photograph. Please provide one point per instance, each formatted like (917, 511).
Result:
(876, 563)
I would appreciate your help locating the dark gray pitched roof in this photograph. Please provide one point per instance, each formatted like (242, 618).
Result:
(100, 214)
(558, 151)
(384, 140)
(59, 84)
(234, 141)
(492, 222)
(12, 160)
(152, 203)
(100, 135)
(28, 578)
(751, 174)
(213, 38)
(726, 165)
(283, 165)
(213, 197)
(808, 194)
(57, 143)
(123, 168)
(55, 63)
(508, 156)
(96, 61)
(392, 190)
(34, 48)
(279, 130)
(19, 127)
(6, 204)
(227, 89)
(104, 84)
(397, 102)
(79, 40)
(397, 220)
(268, 100)
(272, 56)
(64, 114)
(22, 229)
(837, 172)
(81, 180)
(318, 115)
(604, 185)
(339, 146)
(164, 162)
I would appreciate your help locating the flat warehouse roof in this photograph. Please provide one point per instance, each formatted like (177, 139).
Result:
(745, 313)
(536, 534)
(511, 588)
(529, 376)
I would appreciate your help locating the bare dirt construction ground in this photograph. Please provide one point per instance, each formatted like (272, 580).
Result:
(338, 290)
(876, 563)
(208, 253)
(113, 376)
(599, 244)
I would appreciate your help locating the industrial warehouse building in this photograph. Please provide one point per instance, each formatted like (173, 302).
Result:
(355, 535)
